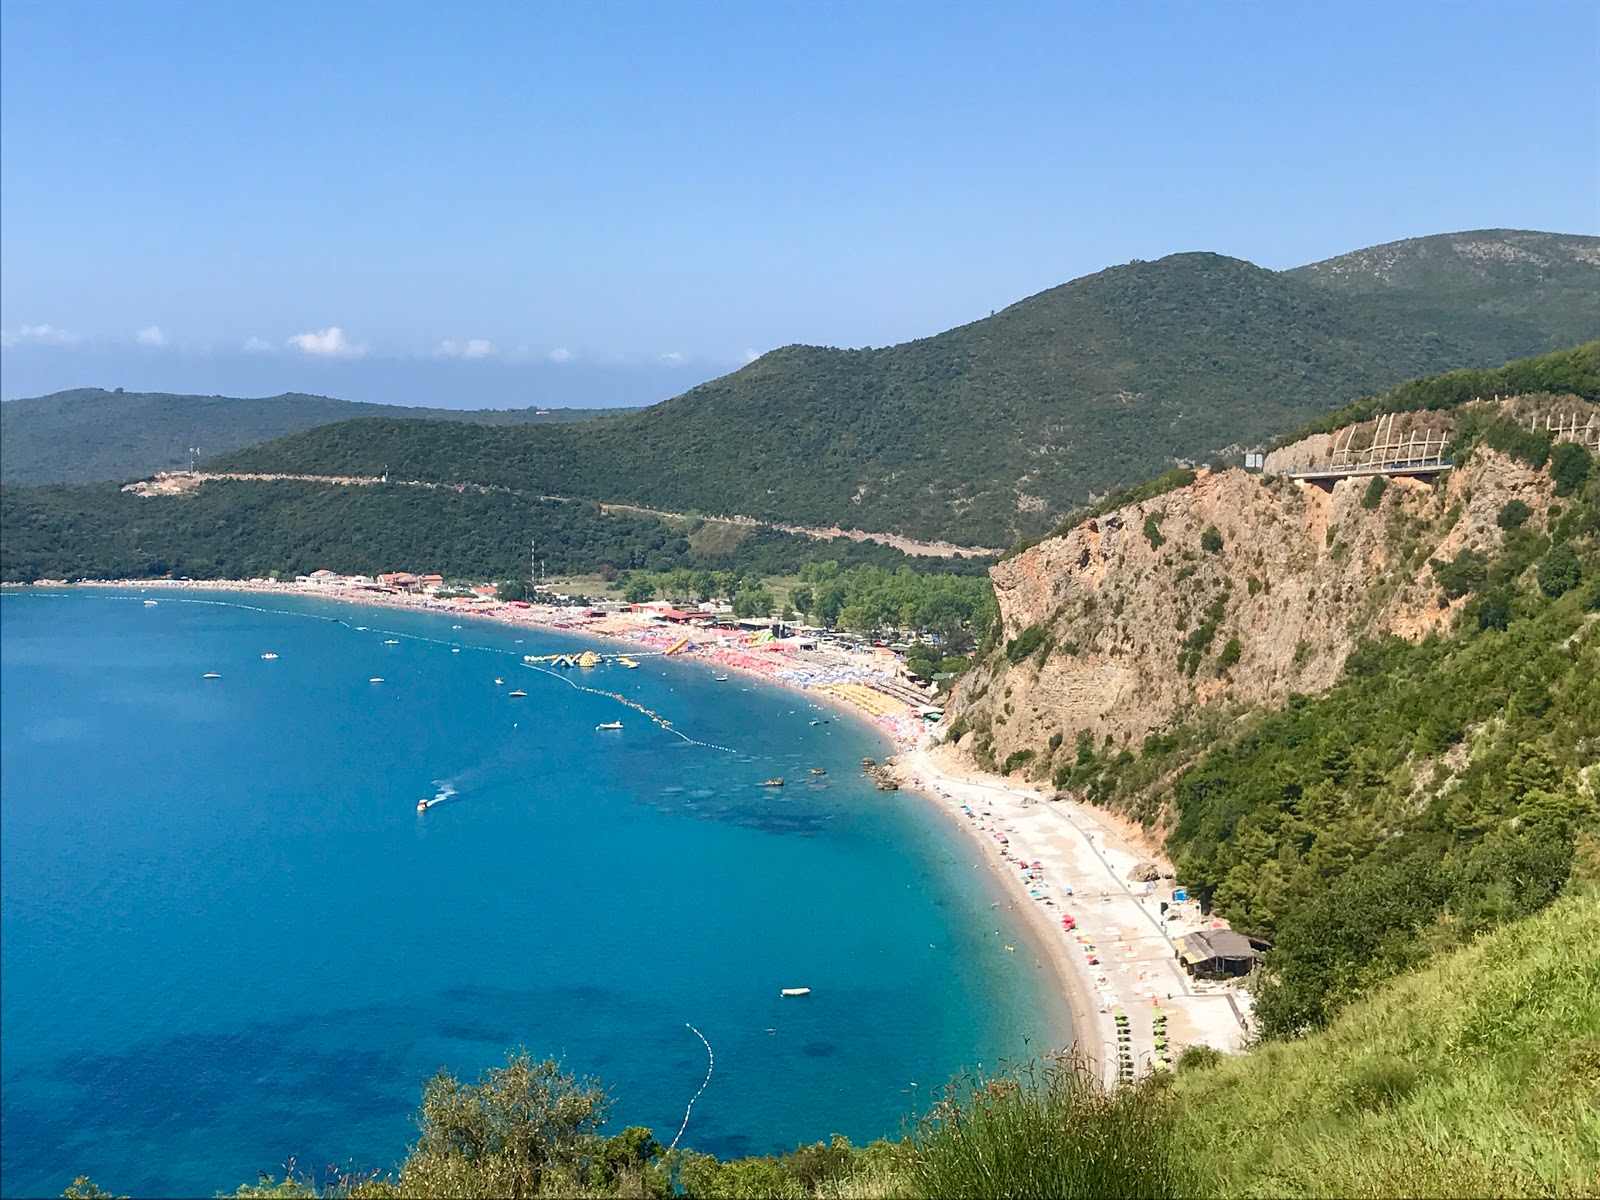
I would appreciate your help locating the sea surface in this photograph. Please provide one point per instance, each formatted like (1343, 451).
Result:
(229, 940)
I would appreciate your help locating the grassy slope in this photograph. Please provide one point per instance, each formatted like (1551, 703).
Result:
(1093, 385)
(1477, 1076)
(89, 434)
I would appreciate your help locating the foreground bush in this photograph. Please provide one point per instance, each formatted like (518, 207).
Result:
(1047, 1131)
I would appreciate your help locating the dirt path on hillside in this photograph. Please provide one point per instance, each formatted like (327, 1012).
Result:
(176, 483)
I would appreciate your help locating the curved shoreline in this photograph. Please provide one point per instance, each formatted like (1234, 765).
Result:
(1058, 834)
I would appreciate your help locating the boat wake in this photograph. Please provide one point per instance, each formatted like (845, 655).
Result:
(445, 792)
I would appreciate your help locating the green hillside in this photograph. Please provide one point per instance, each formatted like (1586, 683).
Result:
(89, 434)
(1503, 289)
(1479, 1076)
(246, 530)
(991, 431)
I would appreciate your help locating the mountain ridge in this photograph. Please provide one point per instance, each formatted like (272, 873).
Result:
(153, 430)
(984, 433)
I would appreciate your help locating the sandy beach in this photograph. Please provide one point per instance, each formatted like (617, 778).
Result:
(1064, 864)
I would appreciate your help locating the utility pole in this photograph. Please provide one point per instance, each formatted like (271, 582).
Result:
(193, 452)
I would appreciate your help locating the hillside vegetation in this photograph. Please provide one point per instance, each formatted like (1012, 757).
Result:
(993, 430)
(1505, 289)
(89, 434)
(246, 530)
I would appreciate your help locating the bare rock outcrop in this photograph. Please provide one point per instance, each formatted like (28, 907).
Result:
(1236, 589)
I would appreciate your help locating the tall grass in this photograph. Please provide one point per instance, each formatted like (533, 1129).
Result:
(1047, 1130)
(1477, 1076)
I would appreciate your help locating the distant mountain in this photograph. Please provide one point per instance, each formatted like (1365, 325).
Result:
(1501, 289)
(989, 432)
(89, 434)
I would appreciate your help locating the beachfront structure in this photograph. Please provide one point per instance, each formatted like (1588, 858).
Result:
(1216, 953)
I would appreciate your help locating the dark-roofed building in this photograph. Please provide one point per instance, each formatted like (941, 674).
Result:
(1216, 953)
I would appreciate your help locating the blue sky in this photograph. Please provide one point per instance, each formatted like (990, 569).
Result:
(607, 202)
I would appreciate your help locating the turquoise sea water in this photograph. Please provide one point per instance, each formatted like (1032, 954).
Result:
(228, 938)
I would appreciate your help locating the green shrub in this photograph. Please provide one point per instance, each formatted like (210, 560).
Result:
(1464, 573)
(1494, 610)
(1152, 531)
(1017, 758)
(1559, 572)
(1570, 465)
(1507, 436)
(1050, 1131)
(1198, 1058)
(1373, 496)
(1230, 654)
(1025, 643)
(1513, 514)
(1211, 540)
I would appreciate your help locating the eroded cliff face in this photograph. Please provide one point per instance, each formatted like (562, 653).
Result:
(1146, 619)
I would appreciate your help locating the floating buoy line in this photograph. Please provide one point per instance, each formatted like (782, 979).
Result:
(711, 1063)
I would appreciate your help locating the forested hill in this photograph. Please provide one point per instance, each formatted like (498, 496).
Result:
(1502, 288)
(990, 431)
(89, 434)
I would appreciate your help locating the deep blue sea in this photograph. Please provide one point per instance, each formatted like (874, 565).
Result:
(227, 938)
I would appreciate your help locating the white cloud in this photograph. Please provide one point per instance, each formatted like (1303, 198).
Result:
(256, 345)
(151, 335)
(470, 348)
(327, 343)
(40, 335)
(674, 358)
(560, 355)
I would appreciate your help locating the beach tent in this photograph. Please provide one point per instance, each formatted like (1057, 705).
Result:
(1216, 952)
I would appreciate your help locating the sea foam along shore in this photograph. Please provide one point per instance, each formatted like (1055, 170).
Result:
(1119, 953)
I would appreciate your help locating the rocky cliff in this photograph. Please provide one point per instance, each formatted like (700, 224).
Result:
(1240, 588)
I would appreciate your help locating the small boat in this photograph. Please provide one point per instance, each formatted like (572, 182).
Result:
(818, 771)
(211, 675)
(720, 678)
(422, 805)
(376, 679)
(149, 603)
(609, 725)
(269, 656)
(455, 650)
(455, 627)
(794, 991)
(391, 641)
(497, 679)
(517, 695)
(772, 783)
